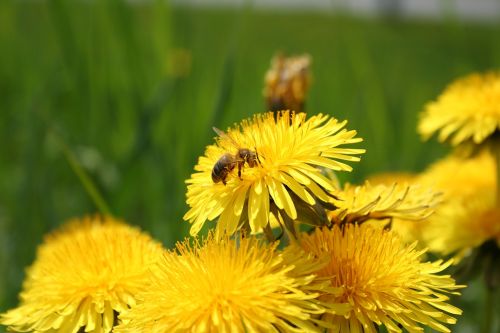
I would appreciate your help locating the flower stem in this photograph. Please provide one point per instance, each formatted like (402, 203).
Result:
(84, 178)
(496, 152)
(488, 311)
(489, 306)
(494, 148)
(491, 253)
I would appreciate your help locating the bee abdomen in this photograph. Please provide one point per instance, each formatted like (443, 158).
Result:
(216, 173)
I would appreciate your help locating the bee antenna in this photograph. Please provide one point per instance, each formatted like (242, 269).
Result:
(218, 131)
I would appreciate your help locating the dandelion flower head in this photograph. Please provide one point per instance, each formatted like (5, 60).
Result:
(383, 280)
(456, 176)
(462, 224)
(228, 285)
(290, 149)
(357, 204)
(409, 230)
(468, 111)
(83, 277)
(468, 216)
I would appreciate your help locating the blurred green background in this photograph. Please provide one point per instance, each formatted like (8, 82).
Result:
(127, 93)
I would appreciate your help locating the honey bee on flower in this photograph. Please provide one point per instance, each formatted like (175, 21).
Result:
(285, 181)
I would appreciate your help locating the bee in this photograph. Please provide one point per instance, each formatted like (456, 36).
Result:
(227, 162)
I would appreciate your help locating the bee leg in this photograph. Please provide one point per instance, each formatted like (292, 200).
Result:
(257, 155)
(224, 182)
(240, 165)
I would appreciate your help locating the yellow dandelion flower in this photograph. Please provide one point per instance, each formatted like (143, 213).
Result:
(83, 277)
(407, 230)
(286, 176)
(287, 83)
(468, 216)
(463, 224)
(468, 111)
(383, 280)
(357, 204)
(241, 285)
(457, 176)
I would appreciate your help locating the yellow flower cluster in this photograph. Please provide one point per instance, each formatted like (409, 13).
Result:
(467, 114)
(230, 286)
(342, 267)
(466, 222)
(290, 183)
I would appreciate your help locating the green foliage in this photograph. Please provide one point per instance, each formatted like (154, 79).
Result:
(103, 79)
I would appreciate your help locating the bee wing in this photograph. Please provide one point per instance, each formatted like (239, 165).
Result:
(222, 134)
